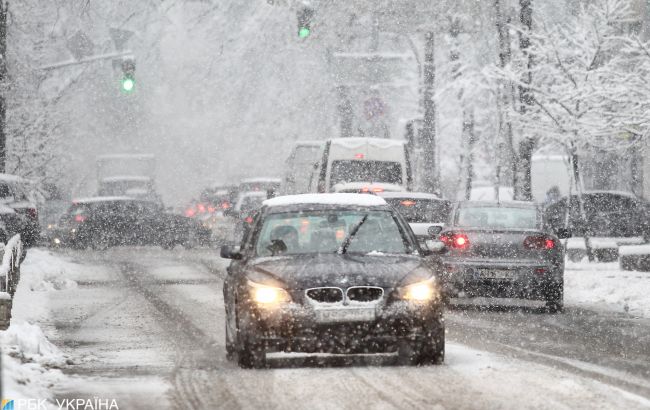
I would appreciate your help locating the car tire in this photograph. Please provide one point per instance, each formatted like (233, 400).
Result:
(555, 298)
(251, 352)
(424, 351)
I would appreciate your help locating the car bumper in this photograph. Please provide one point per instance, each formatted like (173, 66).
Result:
(296, 328)
(502, 279)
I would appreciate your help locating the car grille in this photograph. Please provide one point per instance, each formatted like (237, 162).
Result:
(364, 293)
(325, 295)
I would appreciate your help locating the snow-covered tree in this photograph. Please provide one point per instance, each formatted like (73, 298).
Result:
(588, 84)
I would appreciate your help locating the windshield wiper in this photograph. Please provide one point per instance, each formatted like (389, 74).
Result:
(348, 239)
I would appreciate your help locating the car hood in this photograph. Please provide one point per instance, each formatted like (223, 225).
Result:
(302, 272)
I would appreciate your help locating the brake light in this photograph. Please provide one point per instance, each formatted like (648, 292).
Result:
(359, 156)
(190, 212)
(539, 242)
(211, 209)
(225, 205)
(365, 189)
(79, 218)
(455, 240)
(200, 208)
(378, 190)
(248, 219)
(408, 203)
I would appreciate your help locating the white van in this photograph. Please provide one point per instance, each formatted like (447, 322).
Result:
(367, 160)
(299, 166)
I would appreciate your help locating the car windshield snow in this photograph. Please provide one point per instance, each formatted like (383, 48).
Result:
(324, 231)
(497, 217)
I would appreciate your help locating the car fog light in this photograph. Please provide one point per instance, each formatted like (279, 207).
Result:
(57, 241)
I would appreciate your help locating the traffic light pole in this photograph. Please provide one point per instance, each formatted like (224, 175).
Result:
(3, 78)
(86, 60)
(428, 140)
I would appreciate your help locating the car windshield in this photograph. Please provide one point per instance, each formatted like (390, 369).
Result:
(497, 217)
(421, 210)
(324, 231)
(366, 171)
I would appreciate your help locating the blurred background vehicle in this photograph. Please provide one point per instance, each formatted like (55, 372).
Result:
(367, 160)
(101, 222)
(607, 214)
(18, 194)
(421, 210)
(299, 165)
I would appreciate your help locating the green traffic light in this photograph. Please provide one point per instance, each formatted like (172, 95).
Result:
(128, 84)
(304, 32)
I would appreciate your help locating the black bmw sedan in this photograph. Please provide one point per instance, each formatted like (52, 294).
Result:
(332, 273)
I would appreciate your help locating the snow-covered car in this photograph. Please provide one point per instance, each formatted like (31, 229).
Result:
(100, 222)
(421, 210)
(244, 210)
(18, 194)
(502, 250)
(333, 273)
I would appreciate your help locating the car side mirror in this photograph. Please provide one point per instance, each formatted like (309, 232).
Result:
(434, 230)
(231, 252)
(432, 247)
(563, 233)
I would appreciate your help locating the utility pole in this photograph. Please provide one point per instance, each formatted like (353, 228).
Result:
(4, 6)
(428, 142)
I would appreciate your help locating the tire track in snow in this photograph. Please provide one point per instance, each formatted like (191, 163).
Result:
(197, 351)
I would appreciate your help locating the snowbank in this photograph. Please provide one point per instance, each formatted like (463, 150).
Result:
(30, 363)
(605, 286)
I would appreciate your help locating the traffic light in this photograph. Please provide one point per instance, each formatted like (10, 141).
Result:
(305, 15)
(128, 75)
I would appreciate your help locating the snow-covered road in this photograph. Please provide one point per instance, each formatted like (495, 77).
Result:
(145, 327)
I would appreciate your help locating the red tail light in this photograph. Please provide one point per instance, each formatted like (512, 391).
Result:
(248, 220)
(378, 190)
(190, 212)
(455, 240)
(359, 156)
(539, 242)
(200, 208)
(225, 205)
(211, 209)
(79, 218)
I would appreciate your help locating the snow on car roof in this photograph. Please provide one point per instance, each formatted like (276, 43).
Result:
(408, 195)
(370, 185)
(94, 199)
(498, 203)
(308, 143)
(356, 142)
(326, 199)
(4, 210)
(253, 194)
(261, 179)
(118, 178)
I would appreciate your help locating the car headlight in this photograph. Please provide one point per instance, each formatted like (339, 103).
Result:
(266, 295)
(420, 291)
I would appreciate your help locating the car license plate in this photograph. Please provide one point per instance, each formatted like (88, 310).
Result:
(345, 315)
(495, 273)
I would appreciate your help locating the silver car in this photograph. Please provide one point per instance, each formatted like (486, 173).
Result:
(503, 250)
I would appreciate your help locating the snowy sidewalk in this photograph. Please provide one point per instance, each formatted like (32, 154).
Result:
(604, 286)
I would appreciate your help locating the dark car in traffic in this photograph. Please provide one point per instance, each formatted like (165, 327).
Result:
(101, 222)
(333, 273)
(607, 214)
(503, 250)
(421, 210)
(18, 194)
